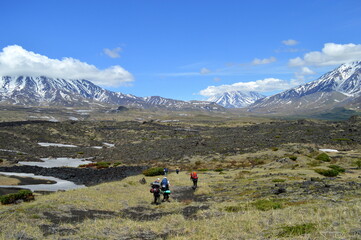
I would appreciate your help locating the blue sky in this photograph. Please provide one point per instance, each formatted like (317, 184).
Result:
(189, 49)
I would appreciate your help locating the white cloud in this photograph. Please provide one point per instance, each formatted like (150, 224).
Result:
(217, 79)
(265, 85)
(113, 53)
(205, 71)
(15, 61)
(331, 54)
(301, 76)
(257, 61)
(290, 42)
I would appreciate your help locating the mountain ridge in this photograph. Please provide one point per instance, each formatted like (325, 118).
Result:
(43, 91)
(337, 88)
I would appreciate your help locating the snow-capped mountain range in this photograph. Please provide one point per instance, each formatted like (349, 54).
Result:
(236, 99)
(45, 91)
(338, 88)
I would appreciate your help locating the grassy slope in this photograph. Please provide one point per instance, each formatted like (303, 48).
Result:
(225, 206)
(226, 203)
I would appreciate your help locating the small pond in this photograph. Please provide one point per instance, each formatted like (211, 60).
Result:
(58, 162)
(59, 185)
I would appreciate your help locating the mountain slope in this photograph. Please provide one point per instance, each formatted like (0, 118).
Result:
(338, 88)
(236, 99)
(25, 90)
(44, 91)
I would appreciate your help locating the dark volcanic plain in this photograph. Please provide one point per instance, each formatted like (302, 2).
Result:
(148, 142)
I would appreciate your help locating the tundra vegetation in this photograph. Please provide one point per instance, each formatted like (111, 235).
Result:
(258, 179)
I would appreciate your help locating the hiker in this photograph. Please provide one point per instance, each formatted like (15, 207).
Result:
(194, 178)
(165, 171)
(177, 170)
(156, 190)
(165, 189)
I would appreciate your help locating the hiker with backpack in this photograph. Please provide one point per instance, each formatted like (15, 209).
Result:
(165, 189)
(155, 189)
(194, 178)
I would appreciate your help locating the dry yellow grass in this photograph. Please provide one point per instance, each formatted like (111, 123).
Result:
(332, 219)
(8, 180)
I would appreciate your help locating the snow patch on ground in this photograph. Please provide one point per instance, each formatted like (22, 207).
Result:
(55, 145)
(13, 151)
(97, 147)
(109, 144)
(328, 150)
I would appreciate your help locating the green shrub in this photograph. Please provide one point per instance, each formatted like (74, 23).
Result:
(1, 160)
(153, 171)
(265, 204)
(117, 164)
(198, 163)
(88, 165)
(278, 180)
(102, 165)
(97, 165)
(219, 170)
(296, 230)
(327, 172)
(233, 208)
(323, 157)
(275, 149)
(25, 195)
(314, 163)
(337, 168)
(358, 163)
(341, 139)
(257, 161)
(293, 158)
(241, 174)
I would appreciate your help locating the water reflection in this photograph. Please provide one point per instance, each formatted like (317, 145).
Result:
(59, 185)
(57, 162)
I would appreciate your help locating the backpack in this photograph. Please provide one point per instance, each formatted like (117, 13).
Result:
(154, 190)
(194, 175)
(164, 184)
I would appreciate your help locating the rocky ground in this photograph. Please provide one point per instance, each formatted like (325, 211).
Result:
(147, 142)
